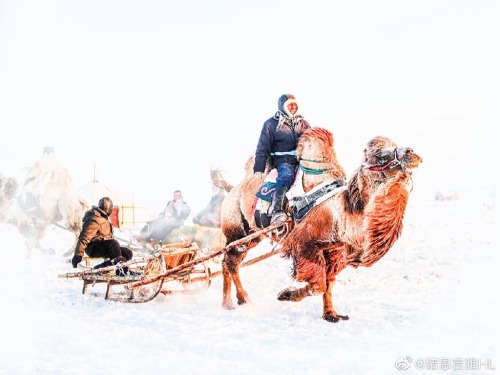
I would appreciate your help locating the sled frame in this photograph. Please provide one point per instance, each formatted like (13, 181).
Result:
(189, 280)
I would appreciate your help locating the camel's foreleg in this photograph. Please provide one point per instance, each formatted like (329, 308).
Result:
(293, 294)
(329, 314)
(298, 294)
(313, 274)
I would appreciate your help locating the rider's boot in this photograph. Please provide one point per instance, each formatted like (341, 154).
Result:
(279, 201)
(103, 264)
(123, 271)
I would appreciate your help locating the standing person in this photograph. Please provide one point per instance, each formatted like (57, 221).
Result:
(173, 216)
(278, 140)
(96, 239)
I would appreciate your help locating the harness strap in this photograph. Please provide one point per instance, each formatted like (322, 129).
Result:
(299, 203)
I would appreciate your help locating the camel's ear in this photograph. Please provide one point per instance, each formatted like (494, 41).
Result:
(353, 199)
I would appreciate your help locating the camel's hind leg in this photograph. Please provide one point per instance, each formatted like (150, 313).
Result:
(329, 314)
(227, 301)
(230, 264)
(231, 273)
(241, 293)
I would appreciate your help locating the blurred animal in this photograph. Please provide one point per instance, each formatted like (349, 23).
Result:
(206, 231)
(208, 239)
(46, 197)
(8, 190)
(210, 216)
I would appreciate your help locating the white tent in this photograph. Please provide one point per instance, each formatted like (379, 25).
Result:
(126, 213)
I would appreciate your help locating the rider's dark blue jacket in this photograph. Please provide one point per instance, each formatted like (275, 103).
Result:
(273, 140)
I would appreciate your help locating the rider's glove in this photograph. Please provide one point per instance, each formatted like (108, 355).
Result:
(259, 175)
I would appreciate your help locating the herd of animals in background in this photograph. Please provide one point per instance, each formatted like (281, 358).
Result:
(47, 197)
(333, 221)
(44, 198)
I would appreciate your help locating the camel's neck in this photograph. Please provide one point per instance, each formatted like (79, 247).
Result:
(383, 219)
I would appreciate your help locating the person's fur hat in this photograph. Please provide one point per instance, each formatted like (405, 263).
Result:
(283, 102)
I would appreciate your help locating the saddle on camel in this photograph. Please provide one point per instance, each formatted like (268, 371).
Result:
(332, 224)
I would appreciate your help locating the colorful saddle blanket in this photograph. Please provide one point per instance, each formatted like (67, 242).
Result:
(266, 191)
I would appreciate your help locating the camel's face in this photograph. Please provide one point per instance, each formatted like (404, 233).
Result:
(407, 158)
(382, 154)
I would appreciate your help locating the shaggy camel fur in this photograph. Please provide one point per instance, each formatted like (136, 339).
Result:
(356, 226)
(238, 208)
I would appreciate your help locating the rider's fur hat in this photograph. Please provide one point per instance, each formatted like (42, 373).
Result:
(283, 102)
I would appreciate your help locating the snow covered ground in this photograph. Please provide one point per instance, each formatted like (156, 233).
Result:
(429, 306)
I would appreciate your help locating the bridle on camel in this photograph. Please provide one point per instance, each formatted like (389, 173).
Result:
(390, 164)
(313, 170)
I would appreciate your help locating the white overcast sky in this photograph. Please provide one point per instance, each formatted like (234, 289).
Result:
(155, 93)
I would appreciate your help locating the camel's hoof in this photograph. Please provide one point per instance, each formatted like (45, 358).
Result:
(334, 318)
(228, 306)
(286, 294)
(242, 301)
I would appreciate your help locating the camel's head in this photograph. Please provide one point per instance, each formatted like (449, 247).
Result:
(383, 154)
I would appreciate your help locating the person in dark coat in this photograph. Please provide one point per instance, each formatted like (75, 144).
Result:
(278, 139)
(96, 239)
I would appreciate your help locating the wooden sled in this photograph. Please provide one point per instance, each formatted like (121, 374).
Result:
(189, 280)
(174, 268)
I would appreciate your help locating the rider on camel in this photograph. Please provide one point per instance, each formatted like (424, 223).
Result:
(278, 139)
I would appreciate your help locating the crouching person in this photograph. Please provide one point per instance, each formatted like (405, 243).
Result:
(96, 239)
